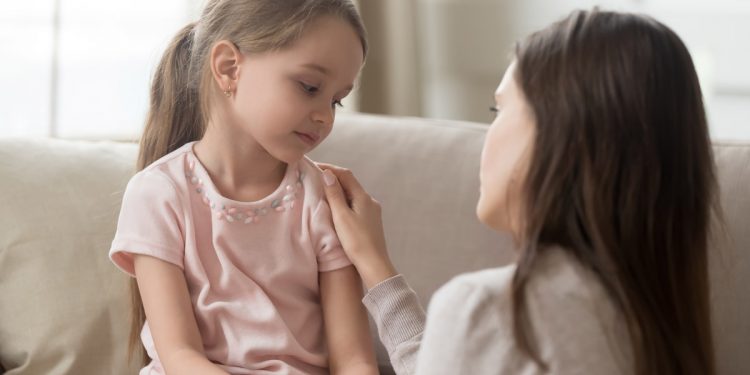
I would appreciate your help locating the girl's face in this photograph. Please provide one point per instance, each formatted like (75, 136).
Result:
(505, 157)
(286, 100)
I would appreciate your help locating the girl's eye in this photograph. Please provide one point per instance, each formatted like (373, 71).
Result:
(310, 89)
(337, 103)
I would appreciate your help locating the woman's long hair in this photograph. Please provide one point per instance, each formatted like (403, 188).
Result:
(181, 88)
(622, 177)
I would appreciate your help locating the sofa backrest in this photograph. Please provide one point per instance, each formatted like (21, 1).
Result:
(64, 307)
(729, 260)
(426, 175)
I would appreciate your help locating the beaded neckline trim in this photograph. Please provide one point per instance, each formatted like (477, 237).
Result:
(243, 214)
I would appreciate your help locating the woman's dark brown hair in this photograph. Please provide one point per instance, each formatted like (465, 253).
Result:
(622, 177)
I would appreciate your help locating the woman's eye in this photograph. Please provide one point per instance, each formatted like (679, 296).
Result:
(310, 89)
(494, 111)
(337, 103)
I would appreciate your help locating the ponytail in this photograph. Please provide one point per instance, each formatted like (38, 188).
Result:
(174, 119)
(182, 88)
(174, 116)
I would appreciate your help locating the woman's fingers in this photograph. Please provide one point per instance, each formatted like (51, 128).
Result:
(358, 222)
(336, 196)
(328, 166)
(352, 188)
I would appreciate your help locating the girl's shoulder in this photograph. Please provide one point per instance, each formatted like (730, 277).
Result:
(176, 161)
(164, 177)
(312, 178)
(310, 170)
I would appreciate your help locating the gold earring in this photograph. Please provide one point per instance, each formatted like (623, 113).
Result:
(228, 91)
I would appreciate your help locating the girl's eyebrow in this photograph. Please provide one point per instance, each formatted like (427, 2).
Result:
(324, 71)
(316, 67)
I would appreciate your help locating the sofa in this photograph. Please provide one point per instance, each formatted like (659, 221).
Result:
(64, 308)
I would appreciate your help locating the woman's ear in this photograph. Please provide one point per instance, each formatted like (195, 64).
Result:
(225, 62)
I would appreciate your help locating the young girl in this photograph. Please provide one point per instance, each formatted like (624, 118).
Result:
(599, 163)
(226, 228)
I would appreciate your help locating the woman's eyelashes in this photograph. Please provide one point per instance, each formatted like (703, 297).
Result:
(494, 110)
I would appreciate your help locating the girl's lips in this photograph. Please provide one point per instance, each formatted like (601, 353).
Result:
(308, 138)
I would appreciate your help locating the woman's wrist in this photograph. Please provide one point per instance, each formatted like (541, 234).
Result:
(373, 273)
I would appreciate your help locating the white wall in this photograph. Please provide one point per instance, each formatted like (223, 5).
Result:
(466, 44)
(81, 68)
(444, 58)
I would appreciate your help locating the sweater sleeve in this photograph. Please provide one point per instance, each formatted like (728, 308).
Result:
(400, 318)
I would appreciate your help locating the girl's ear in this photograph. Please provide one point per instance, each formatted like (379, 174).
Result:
(225, 62)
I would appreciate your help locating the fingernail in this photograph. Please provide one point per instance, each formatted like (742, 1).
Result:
(329, 178)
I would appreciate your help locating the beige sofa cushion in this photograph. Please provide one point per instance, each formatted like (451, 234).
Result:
(63, 309)
(425, 173)
(730, 260)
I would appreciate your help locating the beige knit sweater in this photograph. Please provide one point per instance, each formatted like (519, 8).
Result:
(469, 325)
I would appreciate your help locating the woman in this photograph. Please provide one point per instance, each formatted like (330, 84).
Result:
(599, 164)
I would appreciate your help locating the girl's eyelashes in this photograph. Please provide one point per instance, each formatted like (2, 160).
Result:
(310, 89)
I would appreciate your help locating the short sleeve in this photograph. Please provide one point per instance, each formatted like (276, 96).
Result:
(329, 253)
(150, 222)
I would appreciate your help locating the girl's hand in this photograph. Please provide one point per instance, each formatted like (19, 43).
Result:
(358, 223)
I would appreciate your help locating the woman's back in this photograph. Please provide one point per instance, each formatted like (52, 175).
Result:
(577, 328)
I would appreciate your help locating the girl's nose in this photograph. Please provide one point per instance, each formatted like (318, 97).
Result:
(324, 114)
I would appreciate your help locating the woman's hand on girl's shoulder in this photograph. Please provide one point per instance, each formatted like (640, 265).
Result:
(358, 221)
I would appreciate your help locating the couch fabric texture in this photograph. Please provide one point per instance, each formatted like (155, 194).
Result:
(64, 307)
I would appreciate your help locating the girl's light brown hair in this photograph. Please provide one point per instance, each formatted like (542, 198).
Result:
(622, 177)
(182, 90)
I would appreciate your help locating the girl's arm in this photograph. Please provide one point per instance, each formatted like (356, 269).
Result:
(358, 222)
(170, 317)
(392, 303)
(347, 329)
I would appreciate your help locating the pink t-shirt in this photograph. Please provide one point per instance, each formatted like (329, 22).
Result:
(251, 267)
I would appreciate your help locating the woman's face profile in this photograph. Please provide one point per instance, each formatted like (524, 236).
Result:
(505, 156)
